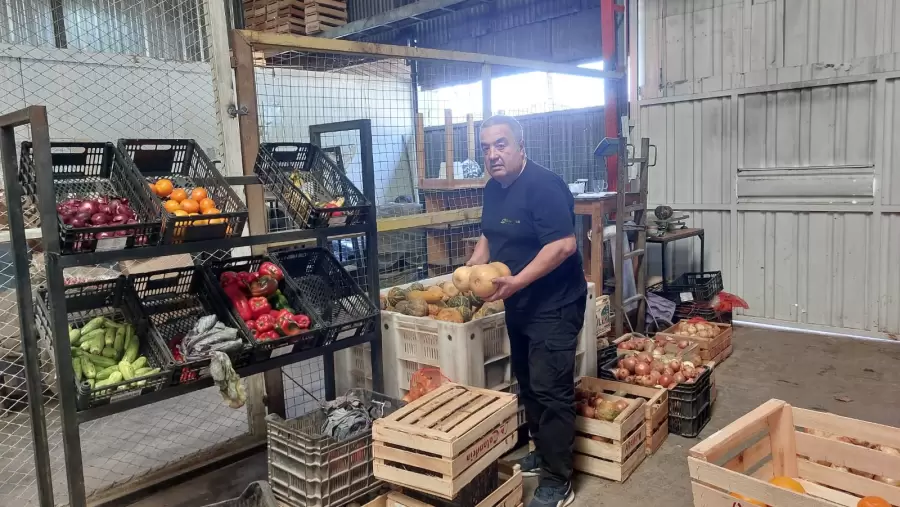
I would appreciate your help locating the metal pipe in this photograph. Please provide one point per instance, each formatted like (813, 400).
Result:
(40, 137)
(610, 97)
(27, 335)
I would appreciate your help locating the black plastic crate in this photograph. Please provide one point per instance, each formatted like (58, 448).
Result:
(91, 170)
(184, 163)
(605, 370)
(486, 482)
(115, 300)
(702, 309)
(687, 400)
(304, 179)
(326, 286)
(174, 300)
(702, 286)
(690, 427)
(311, 338)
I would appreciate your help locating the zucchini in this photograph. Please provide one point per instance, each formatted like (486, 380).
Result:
(96, 345)
(88, 368)
(109, 338)
(129, 335)
(106, 372)
(113, 324)
(74, 336)
(119, 343)
(87, 338)
(114, 378)
(76, 352)
(102, 362)
(109, 352)
(139, 363)
(126, 369)
(76, 365)
(94, 324)
(131, 352)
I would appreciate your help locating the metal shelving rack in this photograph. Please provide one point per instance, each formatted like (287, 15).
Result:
(36, 117)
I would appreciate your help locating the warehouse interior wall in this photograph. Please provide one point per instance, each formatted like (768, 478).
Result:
(775, 123)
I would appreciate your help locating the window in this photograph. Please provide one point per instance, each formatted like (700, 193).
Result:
(519, 94)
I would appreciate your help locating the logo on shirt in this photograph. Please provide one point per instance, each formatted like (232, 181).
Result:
(509, 221)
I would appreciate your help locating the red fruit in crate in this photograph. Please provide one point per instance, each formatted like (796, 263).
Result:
(270, 269)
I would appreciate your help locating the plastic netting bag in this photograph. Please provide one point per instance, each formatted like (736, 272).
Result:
(423, 382)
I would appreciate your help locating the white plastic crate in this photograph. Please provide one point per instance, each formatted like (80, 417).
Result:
(602, 316)
(475, 353)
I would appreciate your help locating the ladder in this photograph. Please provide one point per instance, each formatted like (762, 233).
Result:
(631, 206)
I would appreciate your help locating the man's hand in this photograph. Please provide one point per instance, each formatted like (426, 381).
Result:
(506, 287)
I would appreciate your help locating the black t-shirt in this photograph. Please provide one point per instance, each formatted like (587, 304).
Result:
(518, 221)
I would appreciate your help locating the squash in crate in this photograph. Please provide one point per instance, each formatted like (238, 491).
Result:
(417, 307)
(395, 295)
(451, 315)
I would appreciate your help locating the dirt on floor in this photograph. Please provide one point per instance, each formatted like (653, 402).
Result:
(848, 377)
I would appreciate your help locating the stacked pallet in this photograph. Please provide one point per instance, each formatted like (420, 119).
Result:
(324, 14)
(280, 16)
(446, 446)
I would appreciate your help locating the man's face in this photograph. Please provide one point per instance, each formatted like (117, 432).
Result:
(503, 155)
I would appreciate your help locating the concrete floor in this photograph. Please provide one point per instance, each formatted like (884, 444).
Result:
(848, 377)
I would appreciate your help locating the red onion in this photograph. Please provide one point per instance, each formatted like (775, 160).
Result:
(622, 373)
(119, 219)
(140, 240)
(103, 208)
(121, 234)
(629, 363)
(89, 207)
(124, 200)
(83, 215)
(99, 218)
(642, 369)
(668, 371)
(114, 204)
(664, 380)
(76, 222)
(683, 344)
(655, 376)
(675, 365)
(679, 377)
(102, 200)
(103, 235)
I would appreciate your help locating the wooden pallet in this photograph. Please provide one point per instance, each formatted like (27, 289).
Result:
(440, 442)
(324, 14)
(777, 439)
(656, 407)
(280, 16)
(612, 450)
(509, 494)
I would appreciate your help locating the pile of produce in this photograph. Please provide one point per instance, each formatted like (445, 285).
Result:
(260, 303)
(893, 481)
(105, 353)
(480, 278)
(696, 327)
(181, 203)
(598, 406)
(443, 302)
(103, 211)
(318, 201)
(654, 366)
(207, 336)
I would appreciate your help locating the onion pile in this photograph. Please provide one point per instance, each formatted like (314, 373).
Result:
(103, 211)
(696, 329)
(654, 372)
(596, 406)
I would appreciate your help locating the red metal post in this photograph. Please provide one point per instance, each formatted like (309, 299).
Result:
(610, 109)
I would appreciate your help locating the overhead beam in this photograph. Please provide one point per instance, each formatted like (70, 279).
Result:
(283, 42)
(428, 219)
(401, 16)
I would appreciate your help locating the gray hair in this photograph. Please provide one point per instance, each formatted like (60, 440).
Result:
(509, 121)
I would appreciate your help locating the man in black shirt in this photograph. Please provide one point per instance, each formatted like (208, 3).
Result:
(528, 223)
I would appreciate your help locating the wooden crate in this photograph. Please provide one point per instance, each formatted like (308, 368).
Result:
(612, 450)
(777, 439)
(656, 407)
(440, 442)
(709, 348)
(324, 14)
(509, 494)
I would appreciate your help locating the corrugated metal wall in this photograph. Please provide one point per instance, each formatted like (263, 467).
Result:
(775, 123)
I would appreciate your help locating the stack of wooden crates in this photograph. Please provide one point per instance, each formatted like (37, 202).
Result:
(444, 449)
(296, 17)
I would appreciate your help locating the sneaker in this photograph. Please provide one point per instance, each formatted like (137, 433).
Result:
(530, 464)
(553, 496)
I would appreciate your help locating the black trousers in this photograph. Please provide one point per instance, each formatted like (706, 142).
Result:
(542, 346)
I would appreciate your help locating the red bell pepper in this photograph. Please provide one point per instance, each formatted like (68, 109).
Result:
(239, 301)
(251, 324)
(275, 313)
(283, 313)
(264, 286)
(270, 269)
(287, 327)
(247, 277)
(268, 335)
(302, 320)
(259, 306)
(228, 278)
(265, 323)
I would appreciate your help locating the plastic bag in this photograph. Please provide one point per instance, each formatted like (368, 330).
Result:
(423, 382)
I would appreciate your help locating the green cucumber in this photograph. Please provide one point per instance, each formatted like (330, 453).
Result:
(106, 372)
(113, 324)
(74, 336)
(94, 324)
(119, 343)
(139, 363)
(131, 352)
(100, 361)
(88, 368)
(76, 365)
(126, 369)
(109, 352)
(109, 338)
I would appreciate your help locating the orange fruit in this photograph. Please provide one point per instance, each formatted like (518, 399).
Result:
(152, 187)
(198, 194)
(190, 205)
(787, 483)
(873, 501)
(164, 187)
(180, 213)
(211, 211)
(206, 204)
(748, 500)
(179, 194)
(172, 206)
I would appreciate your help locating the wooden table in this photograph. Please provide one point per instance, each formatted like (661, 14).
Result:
(596, 209)
(675, 235)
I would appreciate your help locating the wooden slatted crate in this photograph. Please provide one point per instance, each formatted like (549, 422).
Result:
(777, 439)
(509, 494)
(656, 407)
(611, 449)
(709, 348)
(281, 16)
(440, 442)
(324, 14)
